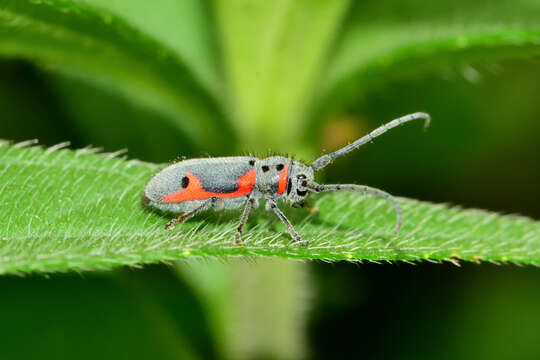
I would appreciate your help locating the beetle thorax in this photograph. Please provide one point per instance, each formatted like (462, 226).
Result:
(281, 177)
(271, 178)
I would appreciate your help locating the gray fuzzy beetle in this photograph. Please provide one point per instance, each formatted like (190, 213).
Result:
(194, 185)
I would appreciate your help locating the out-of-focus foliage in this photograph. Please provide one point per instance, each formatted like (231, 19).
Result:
(101, 48)
(137, 314)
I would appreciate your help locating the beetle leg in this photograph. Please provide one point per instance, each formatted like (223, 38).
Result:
(243, 220)
(180, 219)
(272, 206)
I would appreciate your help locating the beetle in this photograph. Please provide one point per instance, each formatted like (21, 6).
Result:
(192, 186)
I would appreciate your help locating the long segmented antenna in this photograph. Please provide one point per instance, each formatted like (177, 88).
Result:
(313, 186)
(328, 158)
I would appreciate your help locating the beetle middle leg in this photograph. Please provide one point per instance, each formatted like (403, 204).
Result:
(238, 236)
(272, 206)
(204, 206)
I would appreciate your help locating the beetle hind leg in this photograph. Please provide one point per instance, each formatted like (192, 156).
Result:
(189, 214)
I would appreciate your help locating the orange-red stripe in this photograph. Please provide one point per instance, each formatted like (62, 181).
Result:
(195, 191)
(283, 175)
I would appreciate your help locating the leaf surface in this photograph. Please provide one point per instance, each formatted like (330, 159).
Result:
(74, 210)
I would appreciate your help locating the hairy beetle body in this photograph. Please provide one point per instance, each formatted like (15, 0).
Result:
(195, 185)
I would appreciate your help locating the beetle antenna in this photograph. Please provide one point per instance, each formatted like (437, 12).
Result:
(328, 158)
(313, 186)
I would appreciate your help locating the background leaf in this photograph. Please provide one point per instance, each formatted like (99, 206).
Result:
(272, 52)
(185, 27)
(383, 39)
(98, 47)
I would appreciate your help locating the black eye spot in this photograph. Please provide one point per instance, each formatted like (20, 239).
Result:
(265, 168)
(185, 182)
(279, 167)
(301, 193)
(251, 162)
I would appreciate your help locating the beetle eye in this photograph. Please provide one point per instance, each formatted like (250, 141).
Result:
(185, 182)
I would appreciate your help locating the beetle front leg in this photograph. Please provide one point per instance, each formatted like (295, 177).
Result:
(247, 209)
(204, 206)
(272, 206)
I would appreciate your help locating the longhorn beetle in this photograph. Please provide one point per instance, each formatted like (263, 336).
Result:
(195, 185)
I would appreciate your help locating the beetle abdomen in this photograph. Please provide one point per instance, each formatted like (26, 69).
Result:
(200, 179)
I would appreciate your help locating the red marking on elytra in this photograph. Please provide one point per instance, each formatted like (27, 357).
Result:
(283, 175)
(195, 191)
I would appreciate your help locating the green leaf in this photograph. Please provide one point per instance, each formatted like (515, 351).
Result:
(184, 26)
(273, 52)
(382, 38)
(101, 48)
(67, 210)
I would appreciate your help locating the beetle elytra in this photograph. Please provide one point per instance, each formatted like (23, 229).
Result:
(195, 185)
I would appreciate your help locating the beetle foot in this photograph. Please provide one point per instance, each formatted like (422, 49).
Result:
(171, 224)
(238, 239)
(301, 243)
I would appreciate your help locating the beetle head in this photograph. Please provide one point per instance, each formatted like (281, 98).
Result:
(299, 176)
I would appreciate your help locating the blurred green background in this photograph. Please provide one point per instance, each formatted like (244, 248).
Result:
(481, 151)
